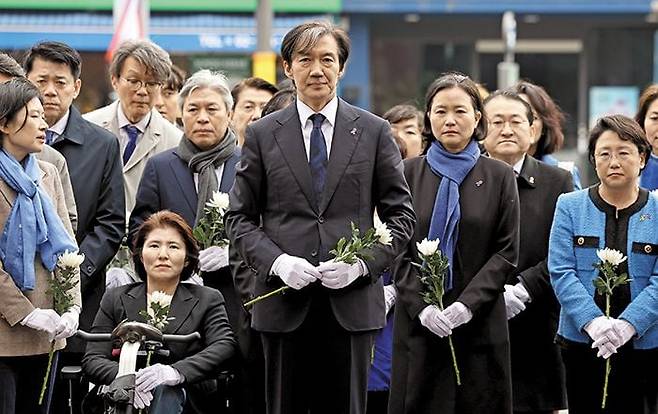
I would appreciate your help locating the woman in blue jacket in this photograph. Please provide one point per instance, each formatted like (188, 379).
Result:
(616, 214)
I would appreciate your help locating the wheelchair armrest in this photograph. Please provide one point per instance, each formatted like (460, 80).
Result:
(71, 372)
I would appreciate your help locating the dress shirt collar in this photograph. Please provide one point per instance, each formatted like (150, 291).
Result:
(329, 111)
(60, 125)
(519, 165)
(123, 120)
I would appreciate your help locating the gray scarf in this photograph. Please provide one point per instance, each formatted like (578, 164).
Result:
(204, 163)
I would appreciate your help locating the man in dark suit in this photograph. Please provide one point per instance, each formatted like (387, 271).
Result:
(532, 309)
(92, 155)
(306, 172)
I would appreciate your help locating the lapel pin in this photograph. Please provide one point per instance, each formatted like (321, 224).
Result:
(531, 180)
(353, 131)
(479, 183)
(645, 217)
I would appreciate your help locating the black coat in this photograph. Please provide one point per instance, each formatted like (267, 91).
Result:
(94, 161)
(537, 369)
(194, 309)
(487, 252)
(273, 187)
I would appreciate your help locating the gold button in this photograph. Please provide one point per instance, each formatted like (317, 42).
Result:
(581, 241)
(647, 249)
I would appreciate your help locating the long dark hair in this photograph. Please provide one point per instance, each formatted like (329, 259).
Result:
(552, 137)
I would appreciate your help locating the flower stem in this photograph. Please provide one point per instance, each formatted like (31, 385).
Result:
(267, 295)
(45, 378)
(607, 361)
(454, 360)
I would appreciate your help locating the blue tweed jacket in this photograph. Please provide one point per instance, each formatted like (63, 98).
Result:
(578, 231)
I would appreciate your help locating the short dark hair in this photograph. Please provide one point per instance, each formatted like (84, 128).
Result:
(304, 37)
(511, 94)
(626, 128)
(255, 83)
(14, 96)
(646, 99)
(403, 112)
(176, 79)
(9, 67)
(57, 52)
(164, 219)
(552, 137)
(447, 81)
(279, 100)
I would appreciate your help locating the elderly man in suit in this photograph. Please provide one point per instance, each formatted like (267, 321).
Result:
(138, 70)
(306, 172)
(532, 309)
(92, 154)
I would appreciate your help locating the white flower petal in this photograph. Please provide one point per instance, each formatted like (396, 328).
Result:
(427, 247)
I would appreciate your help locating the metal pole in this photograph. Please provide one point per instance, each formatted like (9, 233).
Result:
(264, 59)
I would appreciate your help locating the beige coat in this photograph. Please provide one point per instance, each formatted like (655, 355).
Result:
(160, 135)
(15, 339)
(51, 155)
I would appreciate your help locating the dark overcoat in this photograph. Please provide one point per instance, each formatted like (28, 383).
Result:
(423, 380)
(537, 370)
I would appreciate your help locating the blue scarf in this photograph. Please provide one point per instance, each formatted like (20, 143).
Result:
(453, 168)
(33, 224)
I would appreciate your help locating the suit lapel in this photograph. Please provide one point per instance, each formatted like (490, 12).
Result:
(149, 139)
(529, 172)
(72, 131)
(228, 174)
(291, 142)
(346, 136)
(111, 123)
(134, 301)
(185, 180)
(182, 305)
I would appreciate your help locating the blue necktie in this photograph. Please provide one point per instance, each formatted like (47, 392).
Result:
(318, 158)
(132, 132)
(50, 135)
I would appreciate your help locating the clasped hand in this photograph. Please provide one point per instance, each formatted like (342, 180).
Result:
(298, 273)
(442, 322)
(609, 334)
(48, 321)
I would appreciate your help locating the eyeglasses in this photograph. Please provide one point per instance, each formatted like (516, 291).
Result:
(499, 124)
(136, 84)
(606, 156)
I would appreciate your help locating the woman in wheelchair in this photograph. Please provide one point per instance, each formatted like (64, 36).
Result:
(165, 253)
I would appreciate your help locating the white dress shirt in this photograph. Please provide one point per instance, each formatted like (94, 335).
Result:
(329, 112)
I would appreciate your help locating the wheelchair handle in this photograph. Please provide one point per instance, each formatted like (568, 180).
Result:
(106, 337)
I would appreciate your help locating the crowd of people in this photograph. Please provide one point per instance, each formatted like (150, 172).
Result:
(534, 315)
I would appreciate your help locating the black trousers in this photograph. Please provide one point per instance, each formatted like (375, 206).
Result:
(318, 368)
(632, 385)
(20, 384)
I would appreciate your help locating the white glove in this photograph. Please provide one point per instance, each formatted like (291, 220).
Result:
(601, 330)
(213, 258)
(68, 323)
(458, 314)
(624, 329)
(42, 320)
(337, 275)
(148, 378)
(195, 279)
(390, 295)
(434, 320)
(116, 277)
(513, 304)
(295, 271)
(142, 399)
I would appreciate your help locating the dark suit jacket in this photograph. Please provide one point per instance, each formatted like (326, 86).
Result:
(194, 309)
(487, 251)
(273, 186)
(168, 183)
(539, 383)
(92, 154)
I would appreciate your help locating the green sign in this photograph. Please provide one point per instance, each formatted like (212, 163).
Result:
(221, 6)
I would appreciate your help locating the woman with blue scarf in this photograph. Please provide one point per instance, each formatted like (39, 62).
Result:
(35, 231)
(470, 204)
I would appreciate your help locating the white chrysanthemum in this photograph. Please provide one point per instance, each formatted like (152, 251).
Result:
(612, 256)
(218, 201)
(382, 232)
(71, 259)
(160, 298)
(428, 247)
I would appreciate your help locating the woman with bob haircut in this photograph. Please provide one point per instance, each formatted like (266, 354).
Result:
(647, 118)
(470, 204)
(165, 253)
(35, 231)
(549, 122)
(614, 214)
